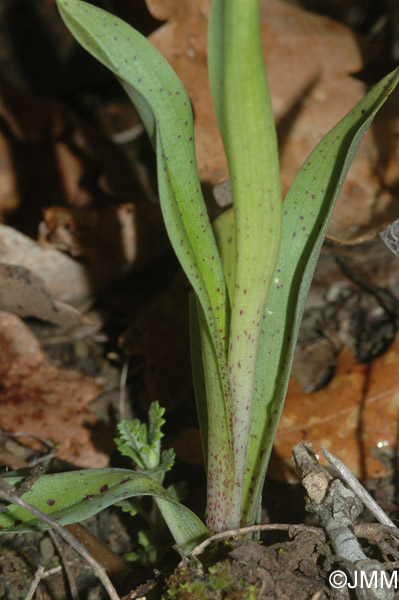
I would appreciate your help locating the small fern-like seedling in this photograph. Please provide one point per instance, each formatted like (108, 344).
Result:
(142, 443)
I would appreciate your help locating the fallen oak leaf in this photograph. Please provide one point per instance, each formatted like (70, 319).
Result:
(38, 398)
(353, 416)
(309, 97)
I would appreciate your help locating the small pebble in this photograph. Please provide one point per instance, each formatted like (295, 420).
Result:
(46, 550)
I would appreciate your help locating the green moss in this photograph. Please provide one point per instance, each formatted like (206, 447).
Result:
(220, 577)
(184, 584)
(251, 593)
(219, 583)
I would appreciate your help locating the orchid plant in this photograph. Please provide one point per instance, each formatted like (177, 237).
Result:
(250, 270)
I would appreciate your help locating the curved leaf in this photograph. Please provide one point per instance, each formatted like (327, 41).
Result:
(165, 110)
(77, 495)
(307, 209)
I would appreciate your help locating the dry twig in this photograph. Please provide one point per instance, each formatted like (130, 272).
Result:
(337, 507)
(71, 579)
(360, 492)
(244, 531)
(34, 585)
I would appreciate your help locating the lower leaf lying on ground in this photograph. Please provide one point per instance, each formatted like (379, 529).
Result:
(77, 495)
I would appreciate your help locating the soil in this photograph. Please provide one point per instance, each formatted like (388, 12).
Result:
(291, 569)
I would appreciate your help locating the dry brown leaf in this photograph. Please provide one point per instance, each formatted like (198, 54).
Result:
(117, 240)
(356, 414)
(9, 198)
(65, 278)
(112, 240)
(160, 333)
(309, 60)
(48, 156)
(25, 294)
(38, 398)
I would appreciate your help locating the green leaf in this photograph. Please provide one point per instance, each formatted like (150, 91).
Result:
(307, 210)
(166, 112)
(225, 234)
(197, 365)
(212, 408)
(142, 444)
(178, 490)
(131, 440)
(155, 423)
(77, 495)
(167, 460)
(128, 506)
(243, 108)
